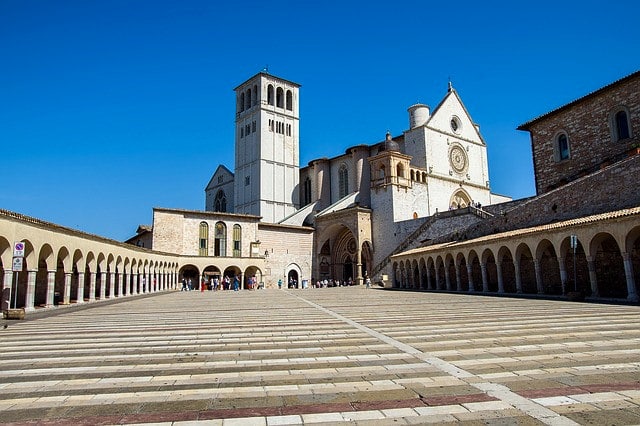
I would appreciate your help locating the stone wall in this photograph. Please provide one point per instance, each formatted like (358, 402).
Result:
(612, 188)
(285, 248)
(588, 124)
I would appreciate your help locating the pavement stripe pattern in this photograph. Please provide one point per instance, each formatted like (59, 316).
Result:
(343, 355)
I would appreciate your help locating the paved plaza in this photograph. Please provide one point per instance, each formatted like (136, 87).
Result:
(323, 356)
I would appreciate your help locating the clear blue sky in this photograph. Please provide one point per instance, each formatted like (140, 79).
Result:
(111, 108)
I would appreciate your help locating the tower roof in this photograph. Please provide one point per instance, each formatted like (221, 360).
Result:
(266, 74)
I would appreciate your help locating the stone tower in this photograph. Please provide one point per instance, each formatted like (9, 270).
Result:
(267, 147)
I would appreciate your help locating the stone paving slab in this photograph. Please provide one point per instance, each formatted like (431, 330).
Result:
(323, 356)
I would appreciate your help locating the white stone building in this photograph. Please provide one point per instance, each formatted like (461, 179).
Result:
(363, 204)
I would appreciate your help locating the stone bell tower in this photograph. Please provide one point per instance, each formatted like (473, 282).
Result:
(267, 147)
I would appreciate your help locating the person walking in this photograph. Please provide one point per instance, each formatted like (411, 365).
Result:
(236, 283)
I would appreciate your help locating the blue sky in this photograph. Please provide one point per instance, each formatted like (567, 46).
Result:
(111, 108)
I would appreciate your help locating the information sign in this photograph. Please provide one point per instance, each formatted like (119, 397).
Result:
(17, 264)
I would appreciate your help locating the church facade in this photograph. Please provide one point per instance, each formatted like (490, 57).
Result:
(362, 204)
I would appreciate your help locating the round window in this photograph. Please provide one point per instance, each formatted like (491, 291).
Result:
(455, 124)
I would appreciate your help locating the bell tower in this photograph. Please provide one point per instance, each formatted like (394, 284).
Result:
(267, 146)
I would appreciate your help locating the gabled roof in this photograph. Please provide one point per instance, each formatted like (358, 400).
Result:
(453, 92)
(528, 124)
(221, 167)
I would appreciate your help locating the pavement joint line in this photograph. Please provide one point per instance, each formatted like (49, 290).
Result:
(528, 406)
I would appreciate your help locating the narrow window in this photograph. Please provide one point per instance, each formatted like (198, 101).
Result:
(307, 191)
(563, 147)
(270, 94)
(289, 100)
(237, 241)
(254, 98)
(220, 204)
(280, 97)
(343, 181)
(253, 127)
(247, 180)
(241, 103)
(248, 99)
(241, 132)
(622, 125)
(204, 239)
(220, 248)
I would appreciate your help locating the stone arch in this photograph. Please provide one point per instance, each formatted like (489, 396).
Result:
(415, 276)
(475, 279)
(62, 284)
(450, 272)
(431, 273)
(507, 269)
(609, 266)
(253, 277)
(491, 271)
(576, 266)
(460, 199)
(524, 259)
(439, 273)
(395, 279)
(549, 268)
(46, 264)
(461, 261)
(423, 274)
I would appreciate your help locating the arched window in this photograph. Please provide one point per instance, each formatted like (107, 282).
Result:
(400, 170)
(562, 151)
(289, 100)
(459, 200)
(220, 247)
(248, 100)
(343, 181)
(381, 172)
(621, 127)
(203, 249)
(280, 97)
(241, 102)
(254, 98)
(220, 203)
(237, 241)
(306, 196)
(270, 94)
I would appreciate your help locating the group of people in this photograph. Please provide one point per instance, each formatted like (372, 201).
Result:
(215, 284)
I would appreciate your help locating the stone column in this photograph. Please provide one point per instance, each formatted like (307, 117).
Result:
(458, 279)
(92, 286)
(103, 285)
(563, 274)
(66, 299)
(80, 296)
(539, 282)
(593, 278)
(51, 287)
(359, 279)
(429, 283)
(128, 280)
(112, 285)
(500, 279)
(7, 290)
(447, 278)
(135, 277)
(470, 277)
(632, 295)
(29, 300)
(485, 280)
(120, 284)
(516, 266)
(438, 283)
